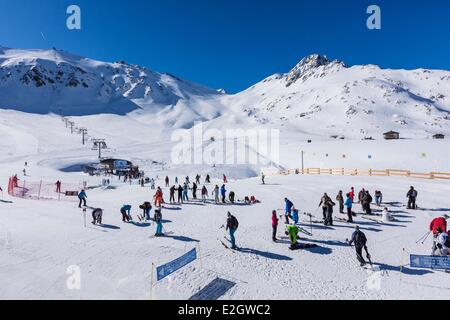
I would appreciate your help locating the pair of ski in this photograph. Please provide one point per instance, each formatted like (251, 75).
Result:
(163, 235)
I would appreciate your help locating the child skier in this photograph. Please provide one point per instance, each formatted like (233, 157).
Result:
(274, 225)
(185, 192)
(292, 232)
(443, 243)
(82, 197)
(216, 194)
(232, 225)
(349, 205)
(158, 220)
(223, 192)
(288, 205)
(204, 194)
(378, 197)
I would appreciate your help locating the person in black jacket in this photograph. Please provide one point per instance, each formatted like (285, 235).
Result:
(360, 241)
(412, 197)
(366, 201)
(232, 225)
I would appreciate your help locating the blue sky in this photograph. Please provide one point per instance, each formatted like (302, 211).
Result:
(233, 44)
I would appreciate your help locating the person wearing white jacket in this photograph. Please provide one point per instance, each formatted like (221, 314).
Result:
(443, 243)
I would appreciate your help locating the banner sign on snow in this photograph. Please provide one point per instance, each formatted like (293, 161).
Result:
(430, 262)
(213, 291)
(170, 267)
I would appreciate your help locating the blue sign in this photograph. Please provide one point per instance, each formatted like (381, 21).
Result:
(170, 267)
(214, 290)
(430, 262)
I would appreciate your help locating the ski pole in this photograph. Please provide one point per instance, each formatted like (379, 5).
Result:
(426, 237)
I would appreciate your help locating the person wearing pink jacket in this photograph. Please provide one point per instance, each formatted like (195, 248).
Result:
(274, 225)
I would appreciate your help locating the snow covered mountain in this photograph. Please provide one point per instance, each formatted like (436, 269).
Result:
(54, 81)
(328, 98)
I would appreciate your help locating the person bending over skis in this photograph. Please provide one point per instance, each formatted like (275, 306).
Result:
(292, 232)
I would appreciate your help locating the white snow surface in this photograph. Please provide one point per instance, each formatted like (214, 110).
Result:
(136, 111)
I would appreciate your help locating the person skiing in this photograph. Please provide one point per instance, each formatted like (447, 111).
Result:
(197, 179)
(194, 190)
(360, 241)
(185, 192)
(126, 213)
(443, 243)
(223, 192)
(329, 217)
(158, 197)
(82, 197)
(412, 197)
(58, 186)
(172, 194)
(167, 181)
(97, 216)
(158, 220)
(366, 201)
(349, 205)
(152, 184)
(176, 180)
(340, 200)
(232, 225)
(187, 180)
(208, 179)
(204, 194)
(295, 216)
(378, 197)
(180, 194)
(323, 203)
(352, 194)
(292, 232)
(438, 225)
(288, 205)
(146, 209)
(263, 178)
(274, 225)
(225, 179)
(216, 194)
(386, 215)
(231, 196)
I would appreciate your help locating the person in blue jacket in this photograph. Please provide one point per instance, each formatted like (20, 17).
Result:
(295, 216)
(349, 204)
(185, 192)
(126, 213)
(288, 209)
(158, 220)
(82, 196)
(223, 192)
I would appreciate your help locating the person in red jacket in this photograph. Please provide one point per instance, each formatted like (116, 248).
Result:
(158, 197)
(352, 194)
(437, 226)
(274, 225)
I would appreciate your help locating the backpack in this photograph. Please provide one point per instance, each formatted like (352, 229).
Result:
(360, 239)
(234, 223)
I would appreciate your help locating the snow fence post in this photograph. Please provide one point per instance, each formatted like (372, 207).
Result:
(39, 191)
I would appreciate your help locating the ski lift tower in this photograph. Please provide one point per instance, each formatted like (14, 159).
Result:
(83, 132)
(72, 124)
(99, 144)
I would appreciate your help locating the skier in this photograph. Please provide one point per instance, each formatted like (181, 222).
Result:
(232, 225)
(180, 194)
(126, 213)
(274, 225)
(194, 190)
(437, 224)
(443, 243)
(187, 180)
(360, 198)
(82, 197)
(223, 193)
(204, 194)
(360, 241)
(366, 201)
(349, 205)
(146, 209)
(172, 194)
(158, 197)
(352, 194)
(323, 203)
(58, 186)
(185, 192)
(378, 197)
(167, 181)
(176, 180)
(386, 215)
(340, 200)
(197, 179)
(288, 205)
(158, 220)
(412, 197)
(231, 196)
(97, 216)
(225, 180)
(295, 216)
(263, 178)
(216, 194)
(329, 218)
(292, 232)
(152, 184)
(208, 179)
